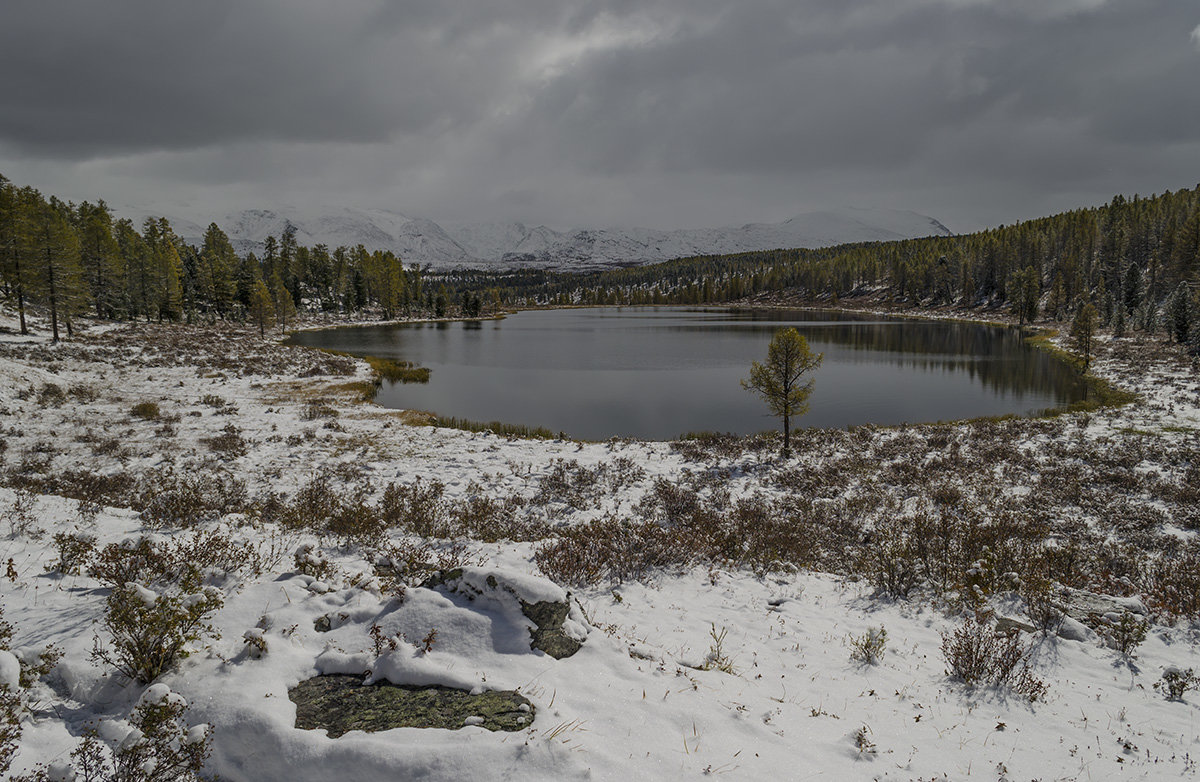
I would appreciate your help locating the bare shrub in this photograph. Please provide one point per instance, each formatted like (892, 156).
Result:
(977, 654)
(488, 519)
(889, 559)
(186, 562)
(169, 499)
(318, 408)
(409, 561)
(311, 561)
(20, 517)
(609, 550)
(416, 508)
(81, 392)
(229, 444)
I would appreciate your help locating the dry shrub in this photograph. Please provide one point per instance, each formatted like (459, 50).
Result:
(74, 551)
(168, 499)
(491, 520)
(318, 408)
(978, 655)
(229, 444)
(610, 550)
(51, 395)
(147, 411)
(1174, 584)
(417, 508)
(186, 562)
(406, 562)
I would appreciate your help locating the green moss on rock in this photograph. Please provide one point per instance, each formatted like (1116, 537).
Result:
(342, 703)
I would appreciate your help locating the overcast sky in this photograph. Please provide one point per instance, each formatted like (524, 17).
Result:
(661, 113)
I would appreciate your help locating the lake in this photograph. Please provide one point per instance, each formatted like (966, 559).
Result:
(657, 372)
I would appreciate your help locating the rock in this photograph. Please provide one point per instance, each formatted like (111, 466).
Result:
(341, 703)
(559, 628)
(323, 624)
(1073, 630)
(1011, 626)
(1090, 608)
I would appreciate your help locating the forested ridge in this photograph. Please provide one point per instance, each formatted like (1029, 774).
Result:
(1135, 260)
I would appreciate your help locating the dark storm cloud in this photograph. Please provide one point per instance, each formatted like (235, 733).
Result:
(666, 111)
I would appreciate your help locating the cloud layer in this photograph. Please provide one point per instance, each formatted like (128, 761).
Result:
(667, 112)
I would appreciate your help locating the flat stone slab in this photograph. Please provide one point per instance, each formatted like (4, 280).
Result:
(341, 703)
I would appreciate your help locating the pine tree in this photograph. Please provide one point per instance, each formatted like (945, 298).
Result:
(777, 381)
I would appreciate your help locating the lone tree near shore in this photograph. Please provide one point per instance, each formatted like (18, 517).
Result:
(1083, 332)
(778, 381)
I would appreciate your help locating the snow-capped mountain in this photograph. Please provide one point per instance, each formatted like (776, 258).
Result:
(508, 245)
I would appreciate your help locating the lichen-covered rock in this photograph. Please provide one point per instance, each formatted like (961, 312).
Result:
(559, 628)
(1009, 626)
(341, 703)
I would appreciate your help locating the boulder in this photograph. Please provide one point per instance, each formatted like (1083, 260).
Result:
(1090, 608)
(559, 628)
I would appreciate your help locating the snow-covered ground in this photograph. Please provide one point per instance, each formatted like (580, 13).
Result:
(705, 670)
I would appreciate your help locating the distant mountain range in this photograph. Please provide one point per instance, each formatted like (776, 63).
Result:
(510, 245)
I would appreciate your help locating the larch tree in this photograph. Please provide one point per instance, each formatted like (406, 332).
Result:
(16, 210)
(218, 270)
(780, 381)
(55, 256)
(262, 310)
(100, 257)
(1083, 332)
(281, 300)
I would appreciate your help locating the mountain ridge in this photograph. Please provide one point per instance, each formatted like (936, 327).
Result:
(502, 245)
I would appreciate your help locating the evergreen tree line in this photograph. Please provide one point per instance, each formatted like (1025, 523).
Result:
(67, 260)
(1137, 261)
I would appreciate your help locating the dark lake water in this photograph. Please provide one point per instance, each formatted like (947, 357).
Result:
(657, 372)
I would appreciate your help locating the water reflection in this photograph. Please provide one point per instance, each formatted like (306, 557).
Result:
(657, 372)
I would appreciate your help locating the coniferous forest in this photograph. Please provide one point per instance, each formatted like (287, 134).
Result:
(1135, 260)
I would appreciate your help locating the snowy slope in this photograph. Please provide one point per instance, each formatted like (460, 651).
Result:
(515, 244)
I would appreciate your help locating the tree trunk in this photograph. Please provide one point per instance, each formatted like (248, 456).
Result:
(53, 295)
(787, 437)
